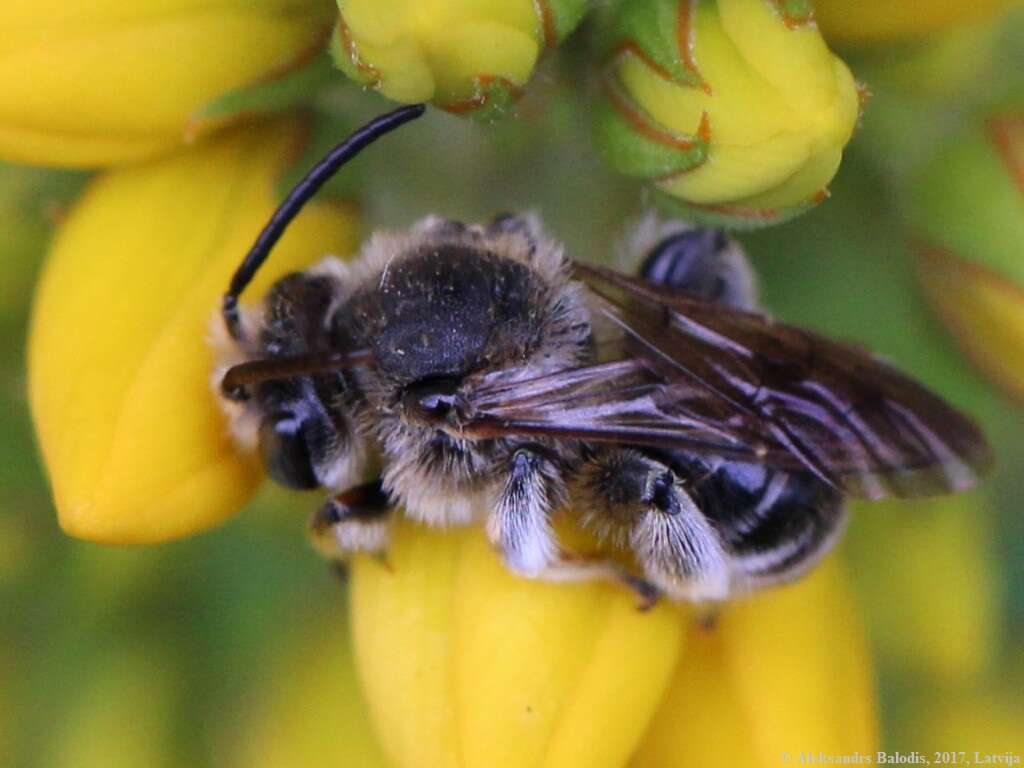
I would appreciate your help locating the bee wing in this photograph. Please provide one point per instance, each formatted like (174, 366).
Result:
(708, 378)
(622, 401)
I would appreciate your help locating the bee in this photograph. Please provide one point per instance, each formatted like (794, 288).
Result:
(490, 379)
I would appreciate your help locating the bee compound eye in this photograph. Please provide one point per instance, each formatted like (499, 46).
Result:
(284, 449)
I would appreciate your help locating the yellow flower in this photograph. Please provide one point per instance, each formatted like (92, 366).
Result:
(465, 665)
(471, 56)
(735, 109)
(119, 360)
(881, 20)
(107, 82)
(967, 210)
(783, 672)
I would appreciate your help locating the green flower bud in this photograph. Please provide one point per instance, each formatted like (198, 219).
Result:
(735, 109)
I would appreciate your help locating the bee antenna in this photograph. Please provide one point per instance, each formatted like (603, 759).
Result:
(239, 377)
(298, 197)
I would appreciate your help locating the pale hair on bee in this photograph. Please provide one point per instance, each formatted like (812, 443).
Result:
(473, 374)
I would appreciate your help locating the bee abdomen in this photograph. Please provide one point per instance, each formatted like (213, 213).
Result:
(774, 524)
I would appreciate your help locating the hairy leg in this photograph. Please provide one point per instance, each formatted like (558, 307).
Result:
(357, 520)
(636, 501)
(519, 524)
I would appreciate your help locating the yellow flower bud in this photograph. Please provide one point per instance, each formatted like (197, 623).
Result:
(735, 109)
(106, 82)
(119, 362)
(466, 665)
(880, 20)
(782, 672)
(468, 56)
(967, 210)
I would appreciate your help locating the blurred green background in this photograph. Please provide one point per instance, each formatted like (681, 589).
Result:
(174, 655)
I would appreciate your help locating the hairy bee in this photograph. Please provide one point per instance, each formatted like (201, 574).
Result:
(492, 379)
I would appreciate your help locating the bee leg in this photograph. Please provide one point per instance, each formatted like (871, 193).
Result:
(706, 616)
(702, 262)
(357, 520)
(519, 524)
(571, 567)
(640, 502)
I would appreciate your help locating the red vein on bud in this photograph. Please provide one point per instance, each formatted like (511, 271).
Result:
(547, 22)
(625, 107)
(345, 35)
(482, 96)
(685, 43)
(793, 20)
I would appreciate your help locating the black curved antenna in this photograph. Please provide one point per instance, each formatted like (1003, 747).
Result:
(298, 197)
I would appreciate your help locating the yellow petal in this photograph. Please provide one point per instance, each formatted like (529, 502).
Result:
(119, 364)
(310, 711)
(800, 667)
(700, 721)
(98, 83)
(466, 665)
(788, 671)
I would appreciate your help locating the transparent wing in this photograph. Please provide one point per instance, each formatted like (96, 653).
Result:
(715, 380)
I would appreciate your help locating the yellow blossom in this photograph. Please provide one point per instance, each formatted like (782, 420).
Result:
(783, 672)
(735, 109)
(119, 361)
(884, 20)
(466, 665)
(106, 82)
(470, 56)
